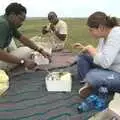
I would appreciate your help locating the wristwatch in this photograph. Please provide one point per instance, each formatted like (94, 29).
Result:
(22, 61)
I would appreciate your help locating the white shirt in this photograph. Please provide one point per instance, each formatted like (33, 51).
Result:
(108, 51)
(60, 27)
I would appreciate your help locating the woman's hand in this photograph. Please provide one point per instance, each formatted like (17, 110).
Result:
(90, 49)
(78, 46)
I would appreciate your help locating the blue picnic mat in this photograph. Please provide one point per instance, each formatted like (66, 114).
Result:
(28, 99)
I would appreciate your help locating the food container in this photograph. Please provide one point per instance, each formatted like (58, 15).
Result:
(4, 81)
(59, 81)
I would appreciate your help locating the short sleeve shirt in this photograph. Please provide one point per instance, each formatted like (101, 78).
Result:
(61, 28)
(7, 31)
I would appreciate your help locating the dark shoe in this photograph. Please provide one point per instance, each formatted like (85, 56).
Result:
(85, 91)
(82, 82)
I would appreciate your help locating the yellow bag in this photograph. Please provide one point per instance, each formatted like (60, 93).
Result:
(4, 81)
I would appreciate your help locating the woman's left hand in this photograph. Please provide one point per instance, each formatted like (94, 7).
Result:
(90, 49)
(78, 46)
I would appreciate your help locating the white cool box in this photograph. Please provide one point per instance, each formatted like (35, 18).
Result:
(59, 81)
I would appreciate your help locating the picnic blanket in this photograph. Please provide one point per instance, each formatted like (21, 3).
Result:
(60, 59)
(28, 99)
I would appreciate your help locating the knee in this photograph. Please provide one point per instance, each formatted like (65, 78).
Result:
(80, 58)
(84, 57)
(93, 79)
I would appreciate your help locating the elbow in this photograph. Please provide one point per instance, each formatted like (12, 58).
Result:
(102, 61)
(105, 64)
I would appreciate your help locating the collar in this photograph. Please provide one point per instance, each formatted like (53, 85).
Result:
(11, 25)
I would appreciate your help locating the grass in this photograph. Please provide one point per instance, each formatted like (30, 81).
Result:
(77, 30)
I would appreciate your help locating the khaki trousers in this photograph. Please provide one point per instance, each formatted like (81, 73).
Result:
(22, 52)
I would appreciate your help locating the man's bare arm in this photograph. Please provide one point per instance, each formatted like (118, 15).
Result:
(28, 42)
(62, 37)
(7, 57)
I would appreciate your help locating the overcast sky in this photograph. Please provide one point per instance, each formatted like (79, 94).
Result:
(66, 8)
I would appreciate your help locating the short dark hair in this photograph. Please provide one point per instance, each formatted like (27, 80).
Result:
(100, 18)
(52, 14)
(15, 8)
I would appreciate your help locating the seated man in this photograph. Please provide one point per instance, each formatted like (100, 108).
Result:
(9, 23)
(57, 30)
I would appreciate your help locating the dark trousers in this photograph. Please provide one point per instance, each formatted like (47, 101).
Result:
(84, 64)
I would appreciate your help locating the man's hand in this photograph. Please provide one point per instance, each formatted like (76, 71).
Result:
(44, 30)
(30, 64)
(45, 54)
(52, 27)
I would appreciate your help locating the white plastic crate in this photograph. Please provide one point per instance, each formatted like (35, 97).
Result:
(59, 81)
